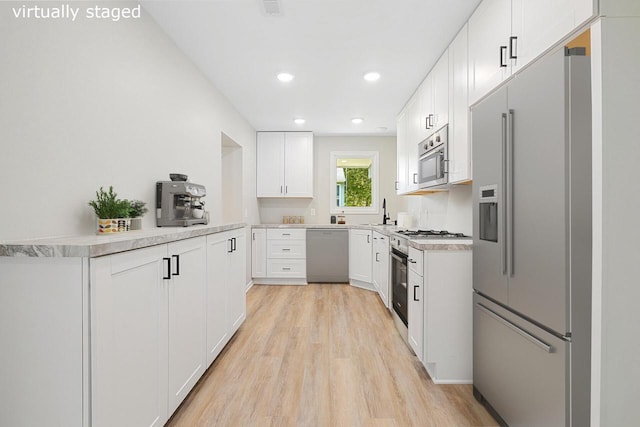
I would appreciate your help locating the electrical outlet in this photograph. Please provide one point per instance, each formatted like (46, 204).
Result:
(313, 212)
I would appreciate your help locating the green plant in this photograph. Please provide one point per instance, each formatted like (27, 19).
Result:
(137, 208)
(107, 205)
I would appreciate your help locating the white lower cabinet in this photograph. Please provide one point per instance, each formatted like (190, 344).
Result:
(415, 306)
(259, 252)
(448, 316)
(159, 317)
(381, 266)
(226, 302)
(360, 257)
(129, 333)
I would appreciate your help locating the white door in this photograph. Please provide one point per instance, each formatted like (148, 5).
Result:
(298, 164)
(415, 312)
(259, 252)
(459, 141)
(218, 246)
(489, 32)
(360, 251)
(402, 152)
(413, 138)
(129, 338)
(440, 83)
(236, 281)
(186, 317)
(270, 164)
(381, 260)
(425, 114)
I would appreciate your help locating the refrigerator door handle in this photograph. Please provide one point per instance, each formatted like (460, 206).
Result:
(511, 138)
(543, 345)
(504, 192)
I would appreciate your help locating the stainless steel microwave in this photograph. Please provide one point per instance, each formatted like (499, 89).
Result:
(433, 159)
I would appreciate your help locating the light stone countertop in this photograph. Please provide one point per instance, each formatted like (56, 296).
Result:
(421, 244)
(95, 246)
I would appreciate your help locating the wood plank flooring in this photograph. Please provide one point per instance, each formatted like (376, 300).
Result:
(322, 355)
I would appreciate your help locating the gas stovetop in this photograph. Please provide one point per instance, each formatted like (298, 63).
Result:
(432, 234)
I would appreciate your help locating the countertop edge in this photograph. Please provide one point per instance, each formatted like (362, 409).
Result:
(95, 246)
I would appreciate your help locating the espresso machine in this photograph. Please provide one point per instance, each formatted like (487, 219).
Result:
(178, 203)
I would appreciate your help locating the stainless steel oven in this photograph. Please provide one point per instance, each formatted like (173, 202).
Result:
(433, 159)
(399, 280)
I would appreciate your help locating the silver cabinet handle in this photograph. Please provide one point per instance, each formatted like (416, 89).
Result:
(543, 345)
(286, 268)
(397, 183)
(285, 249)
(377, 255)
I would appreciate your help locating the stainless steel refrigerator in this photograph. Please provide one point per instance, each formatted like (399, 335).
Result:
(532, 244)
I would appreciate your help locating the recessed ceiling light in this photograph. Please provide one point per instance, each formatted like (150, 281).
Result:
(381, 129)
(285, 77)
(372, 76)
(299, 121)
(357, 120)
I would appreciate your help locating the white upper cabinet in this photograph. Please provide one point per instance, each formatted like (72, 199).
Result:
(489, 32)
(426, 112)
(401, 154)
(506, 35)
(284, 164)
(539, 24)
(440, 87)
(407, 147)
(459, 141)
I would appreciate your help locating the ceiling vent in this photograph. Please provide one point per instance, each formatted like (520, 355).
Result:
(271, 7)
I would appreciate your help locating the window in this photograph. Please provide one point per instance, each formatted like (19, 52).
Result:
(354, 182)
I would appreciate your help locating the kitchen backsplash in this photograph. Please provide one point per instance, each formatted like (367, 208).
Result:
(450, 210)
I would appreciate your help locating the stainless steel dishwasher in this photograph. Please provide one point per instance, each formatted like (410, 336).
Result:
(327, 255)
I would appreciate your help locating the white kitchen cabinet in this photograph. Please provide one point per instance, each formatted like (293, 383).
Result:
(415, 306)
(402, 152)
(539, 24)
(426, 113)
(44, 335)
(259, 252)
(284, 164)
(411, 143)
(489, 32)
(186, 317)
(360, 258)
(506, 35)
(381, 266)
(226, 296)
(129, 333)
(459, 140)
(286, 256)
(448, 316)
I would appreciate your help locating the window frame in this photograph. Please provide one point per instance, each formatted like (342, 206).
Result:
(375, 178)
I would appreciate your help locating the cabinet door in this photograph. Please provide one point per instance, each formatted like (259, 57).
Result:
(489, 32)
(440, 84)
(259, 252)
(360, 249)
(402, 161)
(129, 338)
(218, 246)
(298, 164)
(415, 312)
(270, 164)
(382, 267)
(236, 281)
(539, 25)
(186, 317)
(413, 138)
(459, 141)
(426, 113)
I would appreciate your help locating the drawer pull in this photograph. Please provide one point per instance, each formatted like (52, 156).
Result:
(286, 268)
(286, 234)
(543, 345)
(286, 249)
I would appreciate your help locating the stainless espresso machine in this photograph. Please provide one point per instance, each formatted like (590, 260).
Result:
(178, 204)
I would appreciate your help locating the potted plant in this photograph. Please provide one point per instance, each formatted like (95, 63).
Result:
(112, 213)
(137, 209)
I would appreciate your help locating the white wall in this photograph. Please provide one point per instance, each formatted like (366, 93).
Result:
(448, 210)
(616, 204)
(272, 210)
(95, 103)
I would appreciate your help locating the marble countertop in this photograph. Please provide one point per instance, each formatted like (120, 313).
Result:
(94, 245)
(421, 244)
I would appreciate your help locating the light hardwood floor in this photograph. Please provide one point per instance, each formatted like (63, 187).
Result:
(322, 355)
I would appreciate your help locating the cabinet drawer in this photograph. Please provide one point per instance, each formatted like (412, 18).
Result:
(287, 268)
(286, 233)
(277, 249)
(415, 261)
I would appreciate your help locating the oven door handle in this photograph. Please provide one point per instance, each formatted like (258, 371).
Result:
(401, 259)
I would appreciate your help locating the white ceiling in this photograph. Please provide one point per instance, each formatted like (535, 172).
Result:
(327, 44)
